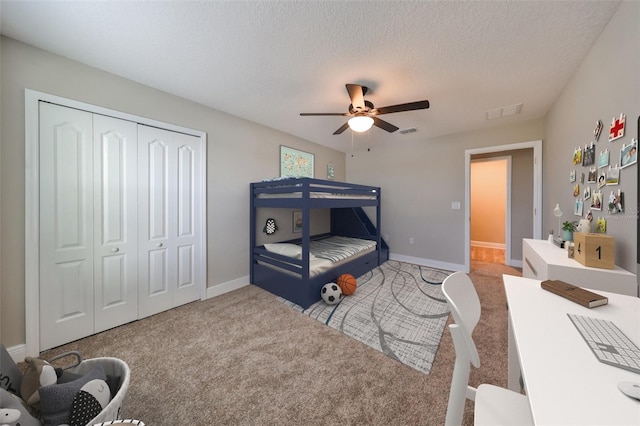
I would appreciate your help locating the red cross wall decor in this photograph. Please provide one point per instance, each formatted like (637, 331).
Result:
(617, 128)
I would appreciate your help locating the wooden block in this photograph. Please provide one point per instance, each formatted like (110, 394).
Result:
(595, 250)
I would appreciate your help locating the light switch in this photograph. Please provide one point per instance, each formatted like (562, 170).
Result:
(455, 205)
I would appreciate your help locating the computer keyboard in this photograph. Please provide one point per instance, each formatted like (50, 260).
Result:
(609, 344)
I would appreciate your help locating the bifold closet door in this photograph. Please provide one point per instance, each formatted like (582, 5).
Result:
(170, 256)
(88, 224)
(66, 225)
(116, 221)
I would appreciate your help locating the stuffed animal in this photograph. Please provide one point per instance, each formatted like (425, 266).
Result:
(13, 412)
(39, 373)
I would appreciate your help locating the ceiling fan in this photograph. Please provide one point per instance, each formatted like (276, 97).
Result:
(364, 115)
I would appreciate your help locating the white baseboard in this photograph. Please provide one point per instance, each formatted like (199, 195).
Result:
(223, 288)
(487, 244)
(18, 352)
(427, 262)
(516, 263)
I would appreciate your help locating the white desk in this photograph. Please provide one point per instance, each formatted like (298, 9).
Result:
(564, 381)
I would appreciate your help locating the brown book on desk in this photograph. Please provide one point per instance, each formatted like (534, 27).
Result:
(575, 294)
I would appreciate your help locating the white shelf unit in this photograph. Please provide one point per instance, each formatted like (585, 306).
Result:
(543, 260)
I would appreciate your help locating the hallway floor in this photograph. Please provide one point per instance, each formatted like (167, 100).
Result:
(489, 255)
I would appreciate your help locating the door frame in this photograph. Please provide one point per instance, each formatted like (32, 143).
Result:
(536, 145)
(32, 203)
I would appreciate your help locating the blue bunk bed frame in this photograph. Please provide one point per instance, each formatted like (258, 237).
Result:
(347, 219)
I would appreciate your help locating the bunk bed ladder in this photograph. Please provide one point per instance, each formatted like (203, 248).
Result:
(354, 222)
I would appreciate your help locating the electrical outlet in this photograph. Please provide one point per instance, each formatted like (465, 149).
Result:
(411, 240)
(455, 205)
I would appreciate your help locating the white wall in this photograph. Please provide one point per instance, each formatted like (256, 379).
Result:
(606, 84)
(239, 152)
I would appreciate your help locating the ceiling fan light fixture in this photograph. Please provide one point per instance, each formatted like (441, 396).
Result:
(360, 123)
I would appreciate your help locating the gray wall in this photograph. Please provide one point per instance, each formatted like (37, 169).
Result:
(606, 84)
(420, 180)
(239, 152)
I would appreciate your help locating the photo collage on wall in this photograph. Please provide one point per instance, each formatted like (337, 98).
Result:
(602, 169)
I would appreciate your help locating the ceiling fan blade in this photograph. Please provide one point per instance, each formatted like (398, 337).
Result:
(356, 93)
(383, 124)
(324, 113)
(411, 106)
(342, 128)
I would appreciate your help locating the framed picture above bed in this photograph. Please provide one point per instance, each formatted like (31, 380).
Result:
(295, 163)
(297, 221)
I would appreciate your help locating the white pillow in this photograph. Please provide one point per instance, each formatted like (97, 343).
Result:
(285, 249)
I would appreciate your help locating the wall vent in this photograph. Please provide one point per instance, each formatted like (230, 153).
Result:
(411, 130)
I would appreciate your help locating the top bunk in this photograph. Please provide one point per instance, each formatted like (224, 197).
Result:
(312, 193)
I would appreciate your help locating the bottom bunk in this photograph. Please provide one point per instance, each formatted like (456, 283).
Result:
(282, 268)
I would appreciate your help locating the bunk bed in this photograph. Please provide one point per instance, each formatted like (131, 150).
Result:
(299, 276)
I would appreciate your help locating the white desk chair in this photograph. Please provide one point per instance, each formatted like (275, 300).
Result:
(494, 405)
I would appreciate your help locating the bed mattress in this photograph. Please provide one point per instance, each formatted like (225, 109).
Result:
(331, 252)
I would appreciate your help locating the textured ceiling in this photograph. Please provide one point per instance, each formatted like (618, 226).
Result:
(269, 61)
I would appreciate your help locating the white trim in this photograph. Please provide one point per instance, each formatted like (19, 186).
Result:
(455, 267)
(488, 244)
(32, 206)
(515, 263)
(223, 288)
(537, 190)
(17, 353)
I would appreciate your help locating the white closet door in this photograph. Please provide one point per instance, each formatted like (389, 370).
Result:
(115, 215)
(170, 256)
(66, 225)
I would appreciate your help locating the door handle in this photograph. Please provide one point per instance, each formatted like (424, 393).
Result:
(159, 245)
(115, 249)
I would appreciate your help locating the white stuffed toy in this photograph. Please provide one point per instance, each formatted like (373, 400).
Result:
(13, 412)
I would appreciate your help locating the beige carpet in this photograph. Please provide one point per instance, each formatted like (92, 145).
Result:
(241, 359)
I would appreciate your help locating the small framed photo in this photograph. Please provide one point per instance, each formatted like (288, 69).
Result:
(601, 225)
(589, 155)
(576, 189)
(577, 156)
(579, 207)
(613, 176)
(592, 176)
(572, 176)
(603, 159)
(629, 154)
(602, 179)
(596, 200)
(297, 221)
(616, 203)
(586, 194)
(331, 171)
(597, 130)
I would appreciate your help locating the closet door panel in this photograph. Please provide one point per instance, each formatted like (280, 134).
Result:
(155, 281)
(188, 204)
(66, 225)
(115, 213)
(169, 176)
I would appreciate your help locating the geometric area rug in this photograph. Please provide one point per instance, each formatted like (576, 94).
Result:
(398, 309)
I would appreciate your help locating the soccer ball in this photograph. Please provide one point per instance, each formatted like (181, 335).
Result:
(331, 293)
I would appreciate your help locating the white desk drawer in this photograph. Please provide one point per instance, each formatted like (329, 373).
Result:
(533, 266)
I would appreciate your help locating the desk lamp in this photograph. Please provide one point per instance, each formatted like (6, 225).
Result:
(558, 213)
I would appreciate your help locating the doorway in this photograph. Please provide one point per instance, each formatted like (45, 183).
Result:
(525, 201)
(490, 198)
